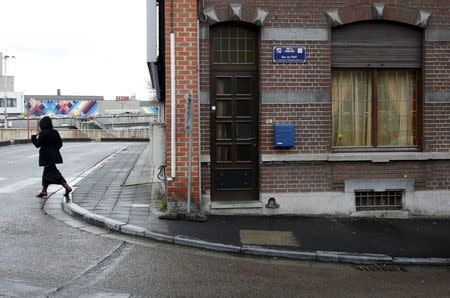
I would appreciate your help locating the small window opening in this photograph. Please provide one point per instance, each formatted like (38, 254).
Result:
(379, 200)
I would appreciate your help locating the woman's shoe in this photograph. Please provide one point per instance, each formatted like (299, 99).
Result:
(41, 194)
(68, 190)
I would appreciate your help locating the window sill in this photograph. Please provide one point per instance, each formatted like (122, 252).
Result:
(375, 157)
(359, 149)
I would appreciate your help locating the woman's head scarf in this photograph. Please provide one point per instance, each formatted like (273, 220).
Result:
(46, 123)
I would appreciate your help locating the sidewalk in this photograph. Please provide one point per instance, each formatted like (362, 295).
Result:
(117, 195)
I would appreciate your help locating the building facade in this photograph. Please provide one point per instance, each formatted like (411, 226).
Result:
(79, 105)
(309, 107)
(14, 100)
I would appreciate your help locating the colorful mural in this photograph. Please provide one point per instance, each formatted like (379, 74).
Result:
(150, 110)
(64, 107)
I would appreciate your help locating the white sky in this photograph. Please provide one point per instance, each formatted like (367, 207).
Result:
(83, 47)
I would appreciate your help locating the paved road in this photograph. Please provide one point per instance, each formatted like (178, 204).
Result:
(41, 256)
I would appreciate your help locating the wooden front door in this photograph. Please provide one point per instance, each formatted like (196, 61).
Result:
(234, 110)
(234, 131)
(234, 113)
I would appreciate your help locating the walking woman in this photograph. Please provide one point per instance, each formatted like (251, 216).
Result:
(49, 142)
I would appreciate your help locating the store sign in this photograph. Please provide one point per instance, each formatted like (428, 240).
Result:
(289, 54)
(122, 98)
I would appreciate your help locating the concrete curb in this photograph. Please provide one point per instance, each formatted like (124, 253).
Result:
(262, 251)
(159, 237)
(113, 224)
(421, 261)
(181, 240)
(325, 256)
(357, 258)
(132, 230)
(95, 219)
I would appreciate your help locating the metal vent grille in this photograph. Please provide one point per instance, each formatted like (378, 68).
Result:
(381, 268)
(379, 200)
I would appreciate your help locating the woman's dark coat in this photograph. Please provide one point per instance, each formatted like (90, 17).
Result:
(49, 143)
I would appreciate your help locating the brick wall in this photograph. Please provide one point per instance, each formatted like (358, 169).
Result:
(313, 119)
(436, 130)
(296, 177)
(324, 176)
(313, 127)
(438, 177)
(313, 75)
(184, 22)
(437, 65)
(436, 119)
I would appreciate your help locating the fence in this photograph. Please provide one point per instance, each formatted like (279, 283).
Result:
(19, 134)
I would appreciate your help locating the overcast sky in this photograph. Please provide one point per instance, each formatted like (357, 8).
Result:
(83, 47)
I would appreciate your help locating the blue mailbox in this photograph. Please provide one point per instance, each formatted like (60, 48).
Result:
(284, 135)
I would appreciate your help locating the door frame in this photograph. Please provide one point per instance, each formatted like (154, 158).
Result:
(235, 70)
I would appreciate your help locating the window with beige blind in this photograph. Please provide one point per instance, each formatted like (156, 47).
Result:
(374, 108)
(375, 85)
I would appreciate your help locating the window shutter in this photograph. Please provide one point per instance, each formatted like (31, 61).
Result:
(376, 45)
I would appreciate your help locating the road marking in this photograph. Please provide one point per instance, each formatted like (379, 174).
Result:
(140, 205)
(36, 155)
(65, 147)
(2, 179)
(19, 185)
(21, 288)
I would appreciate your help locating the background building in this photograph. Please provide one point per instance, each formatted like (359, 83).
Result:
(58, 104)
(311, 107)
(14, 100)
(78, 105)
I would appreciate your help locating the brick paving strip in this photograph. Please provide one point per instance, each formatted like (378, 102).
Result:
(117, 190)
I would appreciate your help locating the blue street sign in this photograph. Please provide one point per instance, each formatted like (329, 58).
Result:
(289, 54)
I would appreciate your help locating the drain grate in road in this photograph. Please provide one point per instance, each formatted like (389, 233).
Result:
(381, 268)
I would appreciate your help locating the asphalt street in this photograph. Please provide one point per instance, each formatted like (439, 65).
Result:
(41, 256)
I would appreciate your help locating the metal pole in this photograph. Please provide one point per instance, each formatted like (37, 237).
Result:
(189, 126)
(28, 118)
(6, 112)
(4, 99)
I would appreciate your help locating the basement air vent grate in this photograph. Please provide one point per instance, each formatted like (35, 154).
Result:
(378, 200)
(381, 268)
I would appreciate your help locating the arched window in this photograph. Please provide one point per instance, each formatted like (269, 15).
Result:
(375, 85)
(233, 44)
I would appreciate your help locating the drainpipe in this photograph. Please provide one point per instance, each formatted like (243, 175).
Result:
(198, 118)
(172, 105)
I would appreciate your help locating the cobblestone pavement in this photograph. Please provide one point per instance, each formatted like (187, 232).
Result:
(121, 189)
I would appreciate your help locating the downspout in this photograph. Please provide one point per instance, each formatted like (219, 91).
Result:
(172, 106)
(198, 118)
(172, 97)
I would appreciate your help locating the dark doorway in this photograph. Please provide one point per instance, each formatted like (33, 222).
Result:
(234, 113)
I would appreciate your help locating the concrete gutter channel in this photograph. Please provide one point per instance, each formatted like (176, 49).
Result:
(326, 256)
